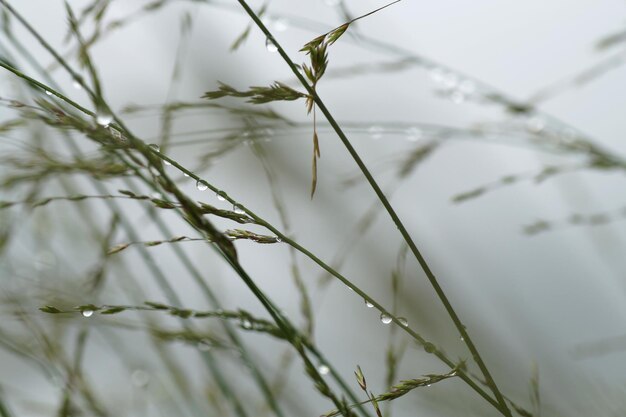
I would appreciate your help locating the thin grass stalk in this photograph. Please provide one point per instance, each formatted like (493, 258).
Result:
(503, 407)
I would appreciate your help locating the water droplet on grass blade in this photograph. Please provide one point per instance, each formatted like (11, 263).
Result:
(403, 321)
(450, 80)
(204, 345)
(368, 304)
(385, 318)
(413, 134)
(140, 378)
(323, 370)
(48, 92)
(281, 25)
(77, 85)
(201, 186)
(457, 97)
(270, 45)
(155, 147)
(246, 324)
(87, 313)
(535, 124)
(436, 74)
(237, 209)
(467, 87)
(429, 347)
(103, 118)
(376, 132)
(220, 196)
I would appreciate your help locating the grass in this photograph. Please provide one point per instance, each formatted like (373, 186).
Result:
(102, 149)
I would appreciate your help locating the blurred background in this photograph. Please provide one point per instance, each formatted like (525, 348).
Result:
(493, 128)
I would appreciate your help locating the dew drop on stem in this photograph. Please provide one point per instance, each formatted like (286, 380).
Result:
(376, 132)
(403, 321)
(87, 313)
(368, 304)
(270, 45)
(200, 185)
(140, 378)
(535, 124)
(237, 209)
(103, 118)
(281, 25)
(204, 345)
(457, 97)
(385, 318)
(413, 134)
(323, 369)
(220, 196)
(48, 92)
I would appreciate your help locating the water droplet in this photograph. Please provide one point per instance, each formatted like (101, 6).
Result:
(403, 321)
(462, 339)
(104, 119)
(376, 132)
(48, 92)
(323, 369)
(385, 318)
(246, 324)
(429, 347)
(368, 304)
(467, 87)
(220, 196)
(204, 345)
(428, 385)
(457, 97)
(156, 195)
(450, 80)
(87, 313)
(140, 378)
(278, 240)
(535, 124)
(155, 147)
(281, 25)
(237, 209)
(77, 85)
(201, 186)
(166, 162)
(413, 134)
(270, 45)
(436, 74)
(185, 175)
